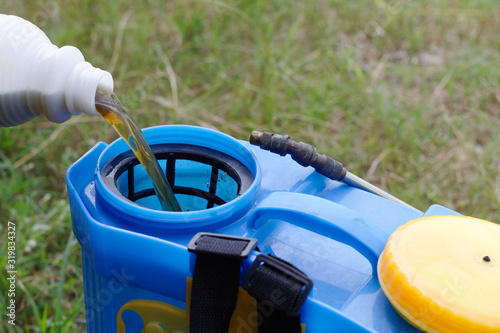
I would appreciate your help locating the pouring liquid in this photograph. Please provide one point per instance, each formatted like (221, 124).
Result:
(113, 111)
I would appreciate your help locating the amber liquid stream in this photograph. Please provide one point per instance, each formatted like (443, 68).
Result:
(110, 107)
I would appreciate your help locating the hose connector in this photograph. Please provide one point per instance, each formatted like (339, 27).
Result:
(302, 153)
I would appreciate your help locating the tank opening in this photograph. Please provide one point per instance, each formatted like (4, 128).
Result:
(201, 177)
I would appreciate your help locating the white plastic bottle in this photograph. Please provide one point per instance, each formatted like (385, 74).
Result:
(38, 78)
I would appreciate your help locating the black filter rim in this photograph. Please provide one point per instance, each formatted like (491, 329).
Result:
(171, 153)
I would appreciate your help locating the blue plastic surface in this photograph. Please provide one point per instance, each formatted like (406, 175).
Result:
(332, 232)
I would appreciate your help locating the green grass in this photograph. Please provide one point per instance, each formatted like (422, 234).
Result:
(404, 93)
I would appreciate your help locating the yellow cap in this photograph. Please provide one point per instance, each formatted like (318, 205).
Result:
(442, 274)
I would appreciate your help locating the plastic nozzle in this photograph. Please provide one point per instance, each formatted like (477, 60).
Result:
(301, 152)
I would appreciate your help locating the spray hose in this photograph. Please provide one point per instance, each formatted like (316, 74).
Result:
(306, 155)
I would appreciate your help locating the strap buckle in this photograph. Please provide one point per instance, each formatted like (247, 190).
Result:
(230, 246)
(279, 282)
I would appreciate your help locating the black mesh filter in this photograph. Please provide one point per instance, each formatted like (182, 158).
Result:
(200, 177)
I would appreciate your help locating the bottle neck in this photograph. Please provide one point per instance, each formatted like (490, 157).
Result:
(66, 83)
(83, 82)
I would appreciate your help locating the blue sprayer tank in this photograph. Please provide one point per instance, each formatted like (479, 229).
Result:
(134, 255)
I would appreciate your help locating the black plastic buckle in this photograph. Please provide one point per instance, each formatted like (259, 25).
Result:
(203, 243)
(280, 279)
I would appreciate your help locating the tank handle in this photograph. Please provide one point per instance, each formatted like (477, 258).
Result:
(324, 217)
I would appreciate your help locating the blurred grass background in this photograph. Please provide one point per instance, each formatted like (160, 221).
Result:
(406, 94)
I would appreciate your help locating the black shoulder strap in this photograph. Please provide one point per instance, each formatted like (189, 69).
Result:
(280, 290)
(279, 287)
(216, 280)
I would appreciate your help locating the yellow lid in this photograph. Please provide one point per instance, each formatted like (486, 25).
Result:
(442, 274)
